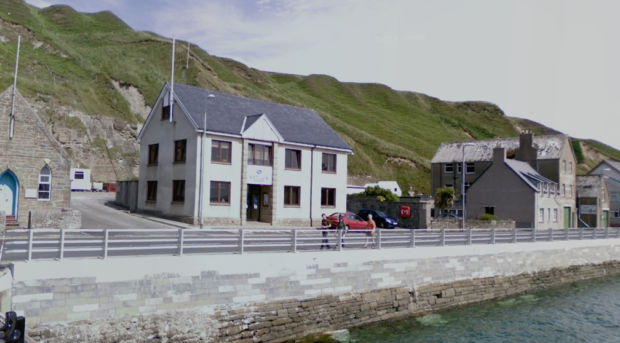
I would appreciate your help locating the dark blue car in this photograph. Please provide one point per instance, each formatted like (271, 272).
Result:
(382, 219)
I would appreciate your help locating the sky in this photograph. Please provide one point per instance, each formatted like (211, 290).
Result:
(556, 62)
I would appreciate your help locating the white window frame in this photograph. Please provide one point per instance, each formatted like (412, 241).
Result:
(473, 168)
(564, 166)
(541, 215)
(570, 167)
(445, 168)
(48, 182)
(555, 215)
(548, 215)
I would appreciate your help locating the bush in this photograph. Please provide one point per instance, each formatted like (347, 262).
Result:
(487, 216)
(380, 193)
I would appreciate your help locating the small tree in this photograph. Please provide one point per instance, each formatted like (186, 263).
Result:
(444, 198)
(380, 193)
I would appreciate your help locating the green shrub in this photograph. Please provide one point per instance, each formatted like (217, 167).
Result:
(380, 193)
(487, 216)
(577, 150)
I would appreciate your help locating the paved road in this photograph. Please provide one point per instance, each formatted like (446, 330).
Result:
(99, 212)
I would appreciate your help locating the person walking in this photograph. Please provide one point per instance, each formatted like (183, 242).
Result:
(325, 225)
(342, 229)
(370, 231)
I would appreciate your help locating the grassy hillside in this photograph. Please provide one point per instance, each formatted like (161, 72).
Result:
(70, 58)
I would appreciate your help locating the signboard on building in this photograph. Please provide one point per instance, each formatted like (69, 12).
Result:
(587, 209)
(260, 175)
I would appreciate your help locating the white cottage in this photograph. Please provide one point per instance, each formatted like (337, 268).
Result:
(263, 161)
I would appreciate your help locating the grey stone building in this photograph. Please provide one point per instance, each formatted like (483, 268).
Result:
(592, 201)
(610, 170)
(551, 156)
(34, 169)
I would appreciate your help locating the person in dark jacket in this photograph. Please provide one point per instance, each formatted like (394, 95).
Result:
(325, 225)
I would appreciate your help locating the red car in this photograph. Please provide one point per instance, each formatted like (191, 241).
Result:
(352, 220)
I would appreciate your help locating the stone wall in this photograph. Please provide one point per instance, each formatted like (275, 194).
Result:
(65, 218)
(2, 222)
(449, 223)
(420, 209)
(243, 293)
(127, 195)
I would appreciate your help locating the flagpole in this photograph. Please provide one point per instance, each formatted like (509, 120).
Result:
(172, 80)
(12, 115)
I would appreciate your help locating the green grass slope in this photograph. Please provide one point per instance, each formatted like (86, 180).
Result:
(71, 58)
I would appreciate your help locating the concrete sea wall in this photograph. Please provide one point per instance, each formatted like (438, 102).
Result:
(276, 297)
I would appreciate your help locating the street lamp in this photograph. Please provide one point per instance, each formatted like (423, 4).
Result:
(463, 180)
(202, 161)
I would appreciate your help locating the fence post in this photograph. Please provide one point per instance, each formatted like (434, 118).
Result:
(241, 242)
(493, 236)
(378, 238)
(566, 237)
(469, 239)
(442, 242)
(533, 234)
(580, 233)
(550, 235)
(412, 238)
(62, 244)
(514, 235)
(105, 243)
(339, 242)
(294, 242)
(30, 239)
(607, 232)
(180, 252)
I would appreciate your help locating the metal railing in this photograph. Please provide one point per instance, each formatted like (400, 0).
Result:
(60, 244)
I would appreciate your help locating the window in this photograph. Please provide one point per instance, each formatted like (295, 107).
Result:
(220, 192)
(548, 215)
(489, 210)
(291, 195)
(471, 168)
(545, 187)
(293, 159)
(79, 175)
(563, 166)
(448, 168)
(563, 190)
(615, 196)
(180, 150)
(555, 215)
(165, 112)
(570, 167)
(328, 197)
(259, 155)
(449, 185)
(329, 163)
(541, 215)
(616, 214)
(570, 191)
(552, 188)
(45, 183)
(178, 191)
(153, 153)
(151, 191)
(220, 151)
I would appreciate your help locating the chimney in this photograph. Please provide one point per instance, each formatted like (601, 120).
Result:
(499, 155)
(526, 151)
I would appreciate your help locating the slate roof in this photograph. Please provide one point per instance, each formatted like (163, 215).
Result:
(527, 174)
(549, 147)
(614, 164)
(589, 186)
(226, 113)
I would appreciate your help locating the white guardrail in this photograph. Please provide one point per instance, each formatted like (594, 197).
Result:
(58, 244)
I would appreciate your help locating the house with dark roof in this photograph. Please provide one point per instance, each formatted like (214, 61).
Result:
(260, 161)
(551, 156)
(513, 190)
(610, 169)
(592, 201)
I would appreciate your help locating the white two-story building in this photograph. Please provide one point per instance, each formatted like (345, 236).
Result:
(263, 161)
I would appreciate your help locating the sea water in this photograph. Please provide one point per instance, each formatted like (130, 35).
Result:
(580, 312)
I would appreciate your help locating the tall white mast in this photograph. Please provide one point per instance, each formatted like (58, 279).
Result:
(172, 80)
(12, 115)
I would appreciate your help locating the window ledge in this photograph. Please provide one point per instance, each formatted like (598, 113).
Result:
(150, 201)
(328, 172)
(178, 202)
(219, 162)
(179, 162)
(219, 203)
(292, 169)
(328, 206)
(292, 206)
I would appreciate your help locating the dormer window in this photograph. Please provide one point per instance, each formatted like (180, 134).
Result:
(165, 113)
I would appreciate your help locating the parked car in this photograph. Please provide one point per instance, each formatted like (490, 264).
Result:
(380, 217)
(351, 220)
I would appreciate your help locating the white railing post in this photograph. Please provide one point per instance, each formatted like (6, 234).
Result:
(469, 234)
(493, 236)
(580, 233)
(442, 242)
(181, 234)
(378, 238)
(618, 232)
(533, 235)
(412, 238)
(30, 239)
(514, 235)
(241, 241)
(550, 235)
(339, 242)
(294, 242)
(566, 234)
(62, 244)
(105, 243)
(593, 233)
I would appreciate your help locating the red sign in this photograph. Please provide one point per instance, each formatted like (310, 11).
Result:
(405, 211)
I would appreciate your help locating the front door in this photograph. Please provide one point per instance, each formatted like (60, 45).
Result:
(567, 217)
(253, 202)
(605, 220)
(8, 193)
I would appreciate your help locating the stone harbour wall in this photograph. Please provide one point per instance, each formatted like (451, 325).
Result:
(472, 224)
(276, 297)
